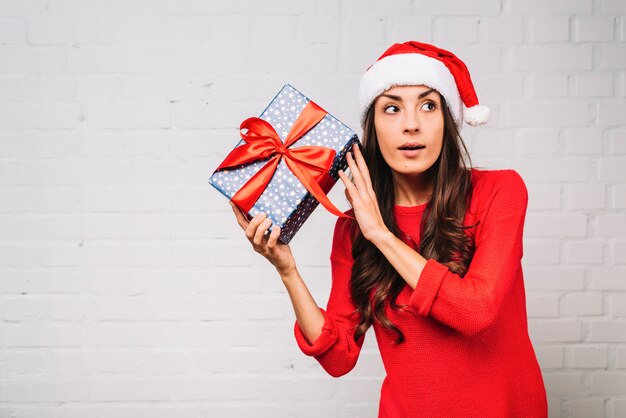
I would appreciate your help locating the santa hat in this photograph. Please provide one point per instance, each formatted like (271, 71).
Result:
(415, 63)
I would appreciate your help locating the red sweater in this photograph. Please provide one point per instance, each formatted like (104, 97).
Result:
(466, 352)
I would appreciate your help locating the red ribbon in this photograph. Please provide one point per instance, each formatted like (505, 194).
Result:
(308, 163)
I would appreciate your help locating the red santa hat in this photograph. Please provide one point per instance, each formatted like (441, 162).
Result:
(415, 63)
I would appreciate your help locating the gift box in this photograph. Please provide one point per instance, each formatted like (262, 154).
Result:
(286, 162)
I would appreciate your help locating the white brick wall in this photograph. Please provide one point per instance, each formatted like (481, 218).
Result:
(126, 287)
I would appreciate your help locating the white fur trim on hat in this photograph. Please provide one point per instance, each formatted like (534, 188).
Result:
(409, 69)
(477, 115)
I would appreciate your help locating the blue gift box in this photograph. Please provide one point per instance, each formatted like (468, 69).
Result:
(285, 199)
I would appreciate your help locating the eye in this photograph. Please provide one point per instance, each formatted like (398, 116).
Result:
(391, 109)
(431, 106)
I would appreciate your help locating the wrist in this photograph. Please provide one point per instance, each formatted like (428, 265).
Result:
(289, 274)
(382, 238)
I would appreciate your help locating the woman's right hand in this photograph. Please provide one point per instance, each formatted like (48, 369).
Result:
(278, 253)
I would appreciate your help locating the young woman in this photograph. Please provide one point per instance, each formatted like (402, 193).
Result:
(433, 260)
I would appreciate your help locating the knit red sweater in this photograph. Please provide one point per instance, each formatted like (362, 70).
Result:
(466, 352)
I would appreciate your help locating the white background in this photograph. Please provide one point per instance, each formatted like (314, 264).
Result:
(128, 290)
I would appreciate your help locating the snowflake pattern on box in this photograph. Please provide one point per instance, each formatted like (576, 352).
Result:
(285, 200)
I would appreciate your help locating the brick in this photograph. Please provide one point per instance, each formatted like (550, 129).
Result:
(450, 7)
(611, 225)
(541, 279)
(551, 115)
(593, 28)
(583, 141)
(547, 58)
(556, 7)
(542, 197)
(620, 357)
(316, 30)
(607, 383)
(618, 252)
(541, 252)
(42, 282)
(593, 85)
(271, 30)
(608, 278)
(101, 389)
(617, 305)
(549, 29)
(41, 334)
(619, 408)
(44, 308)
(493, 87)
(359, 31)
(505, 30)
(549, 357)
(49, 31)
(613, 57)
(30, 60)
(467, 29)
(545, 170)
(25, 227)
(12, 31)
(586, 197)
(50, 390)
(401, 28)
(583, 408)
(592, 357)
(584, 252)
(607, 331)
(372, 8)
(611, 114)
(618, 196)
(545, 226)
(542, 306)
(549, 85)
(39, 116)
(556, 331)
(580, 304)
(613, 7)
(544, 142)
(618, 141)
(12, 8)
(564, 383)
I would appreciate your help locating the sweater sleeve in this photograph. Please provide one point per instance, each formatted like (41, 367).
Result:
(335, 348)
(470, 304)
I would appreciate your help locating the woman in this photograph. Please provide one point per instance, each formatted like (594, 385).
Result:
(433, 260)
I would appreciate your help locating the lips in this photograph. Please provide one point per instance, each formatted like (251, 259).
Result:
(407, 146)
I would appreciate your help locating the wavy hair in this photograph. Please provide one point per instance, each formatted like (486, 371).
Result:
(443, 235)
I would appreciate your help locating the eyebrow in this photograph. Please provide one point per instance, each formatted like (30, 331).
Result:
(398, 98)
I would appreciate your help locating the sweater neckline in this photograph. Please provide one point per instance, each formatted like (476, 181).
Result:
(410, 209)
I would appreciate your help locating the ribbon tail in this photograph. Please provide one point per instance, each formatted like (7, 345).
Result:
(311, 185)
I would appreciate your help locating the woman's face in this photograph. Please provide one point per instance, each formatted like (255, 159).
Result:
(405, 118)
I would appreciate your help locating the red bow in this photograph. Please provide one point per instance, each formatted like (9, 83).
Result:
(308, 163)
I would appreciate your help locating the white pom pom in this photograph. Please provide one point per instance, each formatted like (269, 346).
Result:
(477, 115)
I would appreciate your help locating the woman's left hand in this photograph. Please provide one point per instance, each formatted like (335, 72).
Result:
(361, 196)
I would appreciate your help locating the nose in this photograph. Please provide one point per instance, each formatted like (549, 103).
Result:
(411, 124)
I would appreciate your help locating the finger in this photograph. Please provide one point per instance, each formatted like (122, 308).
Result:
(362, 166)
(350, 188)
(356, 173)
(241, 219)
(259, 235)
(346, 181)
(253, 225)
(272, 240)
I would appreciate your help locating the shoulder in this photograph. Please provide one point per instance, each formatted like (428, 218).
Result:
(489, 182)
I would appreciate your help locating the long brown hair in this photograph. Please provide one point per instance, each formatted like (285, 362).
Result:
(443, 235)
